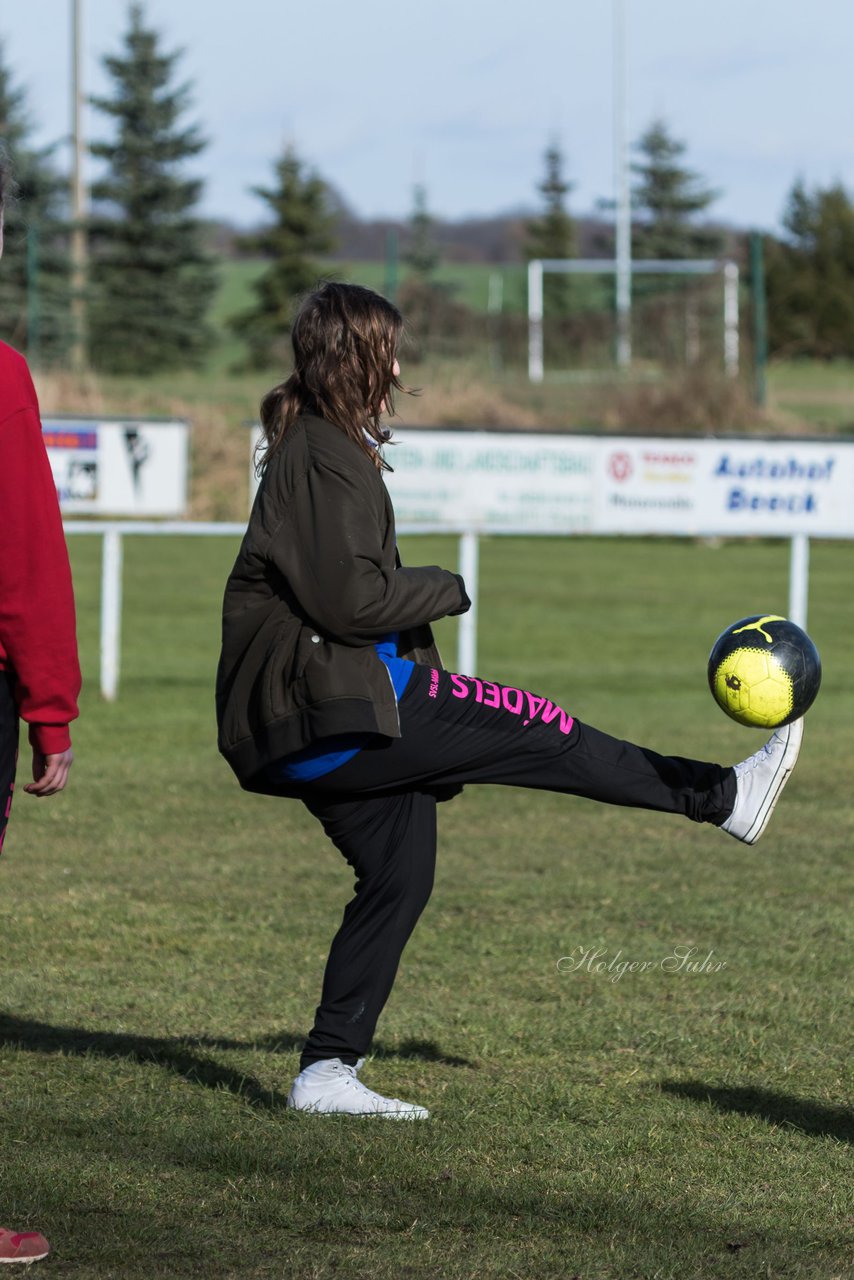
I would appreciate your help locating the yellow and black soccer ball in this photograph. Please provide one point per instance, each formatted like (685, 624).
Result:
(764, 671)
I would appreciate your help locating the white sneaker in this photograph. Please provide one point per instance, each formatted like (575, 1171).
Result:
(331, 1087)
(760, 779)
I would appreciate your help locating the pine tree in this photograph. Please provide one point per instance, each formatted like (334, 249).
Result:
(667, 198)
(436, 322)
(810, 275)
(34, 282)
(151, 278)
(302, 227)
(552, 235)
(422, 254)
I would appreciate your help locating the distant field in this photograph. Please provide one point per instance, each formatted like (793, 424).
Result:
(164, 935)
(469, 282)
(818, 393)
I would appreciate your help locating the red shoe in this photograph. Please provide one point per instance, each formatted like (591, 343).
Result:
(22, 1246)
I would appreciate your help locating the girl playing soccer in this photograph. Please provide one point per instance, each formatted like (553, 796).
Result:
(330, 688)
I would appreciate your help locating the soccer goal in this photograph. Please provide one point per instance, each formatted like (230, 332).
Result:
(685, 267)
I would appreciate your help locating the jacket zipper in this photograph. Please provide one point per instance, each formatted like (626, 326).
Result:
(394, 695)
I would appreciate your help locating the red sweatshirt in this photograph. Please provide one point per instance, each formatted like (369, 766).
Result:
(38, 641)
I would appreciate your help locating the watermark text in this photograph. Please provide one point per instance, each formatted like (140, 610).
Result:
(682, 958)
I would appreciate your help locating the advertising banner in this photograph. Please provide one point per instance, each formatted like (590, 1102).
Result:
(520, 482)
(493, 481)
(131, 468)
(719, 487)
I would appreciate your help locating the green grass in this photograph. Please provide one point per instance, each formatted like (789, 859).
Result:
(164, 935)
(468, 280)
(805, 376)
(819, 392)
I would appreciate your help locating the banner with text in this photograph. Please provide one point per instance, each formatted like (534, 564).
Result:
(502, 482)
(133, 468)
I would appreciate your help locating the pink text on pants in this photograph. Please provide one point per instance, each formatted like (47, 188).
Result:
(517, 701)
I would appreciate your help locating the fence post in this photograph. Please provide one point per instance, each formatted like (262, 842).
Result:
(535, 321)
(731, 337)
(467, 635)
(111, 611)
(799, 574)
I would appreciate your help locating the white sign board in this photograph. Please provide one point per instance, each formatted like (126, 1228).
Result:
(520, 482)
(492, 481)
(129, 468)
(503, 483)
(740, 487)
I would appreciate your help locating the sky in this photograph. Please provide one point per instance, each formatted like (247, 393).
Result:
(464, 95)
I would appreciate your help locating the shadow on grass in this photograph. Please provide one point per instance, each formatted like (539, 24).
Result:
(287, 1042)
(808, 1117)
(175, 1053)
(166, 680)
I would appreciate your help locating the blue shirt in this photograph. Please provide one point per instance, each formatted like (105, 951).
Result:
(330, 753)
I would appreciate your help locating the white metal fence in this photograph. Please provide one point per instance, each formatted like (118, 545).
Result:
(114, 532)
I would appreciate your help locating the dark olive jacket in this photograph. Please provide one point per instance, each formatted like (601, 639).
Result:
(316, 582)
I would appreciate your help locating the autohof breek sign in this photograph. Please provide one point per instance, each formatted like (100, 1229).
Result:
(112, 468)
(518, 483)
(739, 487)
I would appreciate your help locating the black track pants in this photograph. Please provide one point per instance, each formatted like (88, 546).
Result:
(379, 810)
(8, 749)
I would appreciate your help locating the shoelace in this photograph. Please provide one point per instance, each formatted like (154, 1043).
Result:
(758, 758)
(354, 1082)
(353, 1069)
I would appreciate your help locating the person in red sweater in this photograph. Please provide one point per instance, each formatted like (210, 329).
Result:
(39, 669)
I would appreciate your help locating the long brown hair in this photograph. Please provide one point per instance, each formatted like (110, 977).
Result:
(345, 341)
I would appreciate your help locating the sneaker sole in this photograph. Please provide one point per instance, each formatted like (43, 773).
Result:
(787, 763)
(363, 1115)
(421, 1114)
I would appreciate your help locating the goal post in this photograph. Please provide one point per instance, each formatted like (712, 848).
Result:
(538, 267)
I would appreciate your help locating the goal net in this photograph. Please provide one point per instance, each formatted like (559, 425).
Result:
(682, 311)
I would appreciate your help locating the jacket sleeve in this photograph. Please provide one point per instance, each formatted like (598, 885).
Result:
(329, 548)
(37, 623)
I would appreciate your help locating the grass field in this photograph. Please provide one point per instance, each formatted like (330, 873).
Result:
(164, 934)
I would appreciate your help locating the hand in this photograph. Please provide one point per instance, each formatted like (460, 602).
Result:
(50, 773)
(465, 603)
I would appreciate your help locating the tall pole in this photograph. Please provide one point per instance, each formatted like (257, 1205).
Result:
(760, 317)
(623, 237)
(78, 199)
